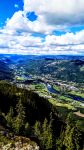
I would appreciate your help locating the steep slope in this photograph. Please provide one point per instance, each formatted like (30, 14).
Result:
(5, 71)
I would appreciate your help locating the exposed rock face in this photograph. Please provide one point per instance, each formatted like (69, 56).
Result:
(20, 143)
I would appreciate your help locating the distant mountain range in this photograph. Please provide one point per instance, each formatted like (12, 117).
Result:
(15, 57)
(60, 67)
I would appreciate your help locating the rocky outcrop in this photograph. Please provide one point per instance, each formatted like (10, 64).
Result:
(20, 143)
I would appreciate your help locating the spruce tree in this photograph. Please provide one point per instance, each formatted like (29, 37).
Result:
(20, 118)
(72, 135)
(46, 136)
(10, 117)
(37, 129)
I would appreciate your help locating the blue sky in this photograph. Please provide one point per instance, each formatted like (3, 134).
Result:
(8, 8)
(42, 27)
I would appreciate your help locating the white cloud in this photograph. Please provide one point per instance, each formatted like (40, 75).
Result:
(18, 23)
(57, 12)
(19, 44)
(16, 36)
(68, 43)
(66, 39)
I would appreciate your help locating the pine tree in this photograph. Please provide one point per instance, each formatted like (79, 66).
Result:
(46, 136)
(20, 118)
(37, 129)
(72, 135)
(10, 117)
(68, 139)
(59, 141)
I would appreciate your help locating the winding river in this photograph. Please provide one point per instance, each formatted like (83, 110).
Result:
(74, 97)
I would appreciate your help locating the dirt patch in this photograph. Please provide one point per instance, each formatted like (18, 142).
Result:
(79, 114)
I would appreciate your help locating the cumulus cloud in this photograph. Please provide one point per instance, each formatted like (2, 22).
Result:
(68, 43)
(17, 35)
(66, 39)
(57, 12)
(18, 23)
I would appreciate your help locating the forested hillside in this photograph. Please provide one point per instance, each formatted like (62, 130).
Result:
(65, 70)
(24, 113)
